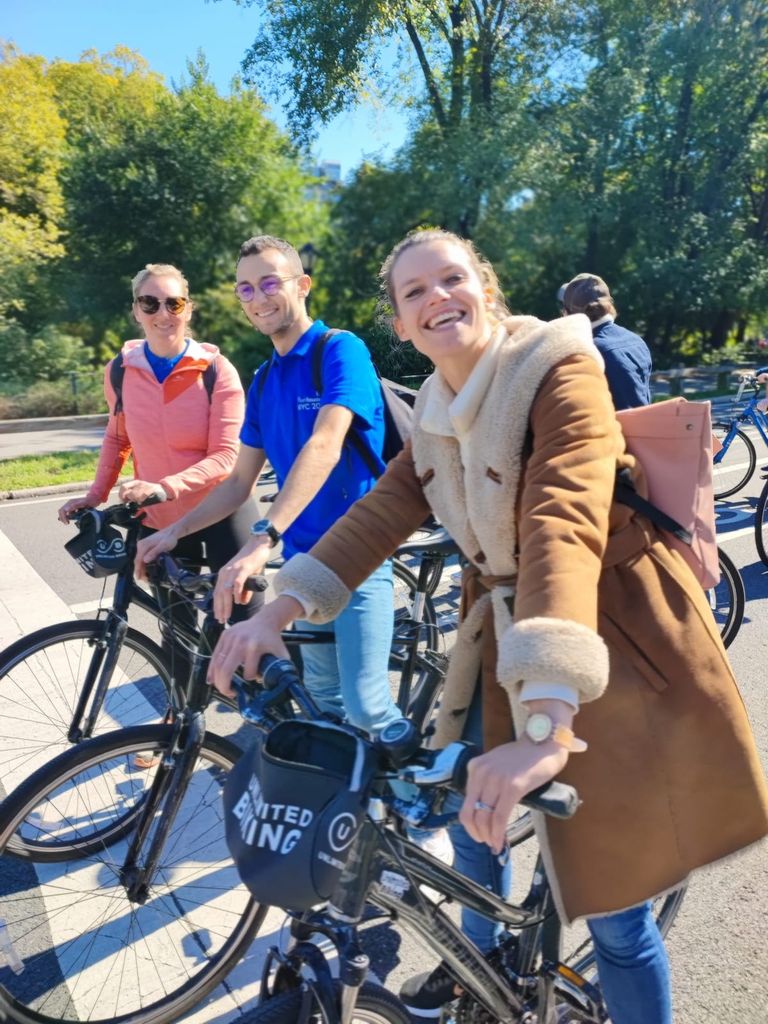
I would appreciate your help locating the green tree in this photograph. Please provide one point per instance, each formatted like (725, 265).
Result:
(31, 201)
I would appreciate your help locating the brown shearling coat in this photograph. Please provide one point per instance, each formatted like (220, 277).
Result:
(671, 780)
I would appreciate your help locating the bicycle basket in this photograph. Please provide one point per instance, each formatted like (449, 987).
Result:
(293, 805)
(98, 548)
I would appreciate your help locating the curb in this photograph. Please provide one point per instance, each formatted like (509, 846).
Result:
(40, 492)
(52, 423)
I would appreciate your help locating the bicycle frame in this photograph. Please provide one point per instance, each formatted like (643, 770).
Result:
(385, 869)
(749, 414)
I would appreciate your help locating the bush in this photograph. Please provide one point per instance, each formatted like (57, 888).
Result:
(54, 398)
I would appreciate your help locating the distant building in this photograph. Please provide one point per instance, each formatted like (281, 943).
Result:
(328, 186)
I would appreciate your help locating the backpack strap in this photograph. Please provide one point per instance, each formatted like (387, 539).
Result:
(117, 375)
(210, 373)
(353, 435)
(626, 494)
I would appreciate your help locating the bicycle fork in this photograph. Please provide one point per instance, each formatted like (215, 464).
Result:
(102, 666)
(168, 789)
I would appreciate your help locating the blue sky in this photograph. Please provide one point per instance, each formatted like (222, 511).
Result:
(167, 33)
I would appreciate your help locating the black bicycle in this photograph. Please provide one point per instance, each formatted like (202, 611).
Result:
(145, 916)
(526, 979)
(73, 680)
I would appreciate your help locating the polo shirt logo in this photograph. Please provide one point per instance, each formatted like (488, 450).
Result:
(308, 403)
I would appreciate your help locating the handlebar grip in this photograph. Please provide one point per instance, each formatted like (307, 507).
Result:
(157, 498)
(257, 583)
(274, 670)
(556, 799)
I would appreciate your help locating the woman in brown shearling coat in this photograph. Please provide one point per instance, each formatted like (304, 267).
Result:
(570, 598)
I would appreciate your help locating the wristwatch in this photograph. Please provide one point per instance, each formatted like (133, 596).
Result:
(539, 728)
(263, 527)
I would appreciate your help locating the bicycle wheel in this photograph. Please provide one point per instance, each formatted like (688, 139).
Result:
(761, 524)
(86, 953)
(427, 639)
(41, 676)
(735, 465)
(727, 599)
(374, 1005)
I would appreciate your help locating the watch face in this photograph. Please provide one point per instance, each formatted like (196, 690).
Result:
(538, 727)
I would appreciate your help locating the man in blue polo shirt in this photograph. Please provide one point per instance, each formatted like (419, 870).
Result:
(303, 433)
(627, 357)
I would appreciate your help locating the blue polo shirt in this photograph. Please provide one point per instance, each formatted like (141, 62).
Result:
(280, 417)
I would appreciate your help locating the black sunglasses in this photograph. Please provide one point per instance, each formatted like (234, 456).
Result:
(175, 304)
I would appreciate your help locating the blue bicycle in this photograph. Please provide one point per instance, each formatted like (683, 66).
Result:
(735, 463)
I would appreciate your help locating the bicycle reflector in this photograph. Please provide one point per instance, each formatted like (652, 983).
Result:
(293, 806)
(98, 548)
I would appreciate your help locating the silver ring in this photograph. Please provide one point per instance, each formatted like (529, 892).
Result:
(481, 805)
(229, 586)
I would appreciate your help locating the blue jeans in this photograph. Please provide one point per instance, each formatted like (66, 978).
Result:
(631, 959)
(351, 677)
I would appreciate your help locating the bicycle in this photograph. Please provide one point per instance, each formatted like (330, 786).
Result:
(761, 520)
(66, 682)
(735, 462)
(727, 599)
(107, 860)
(523, 980)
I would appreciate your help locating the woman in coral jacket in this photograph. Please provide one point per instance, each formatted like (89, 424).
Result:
(180, 422)
(588, 650)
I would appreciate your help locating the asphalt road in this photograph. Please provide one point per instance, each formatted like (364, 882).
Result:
(717, 946)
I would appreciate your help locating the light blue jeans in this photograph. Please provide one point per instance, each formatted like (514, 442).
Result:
(351, 676)
(631, 959)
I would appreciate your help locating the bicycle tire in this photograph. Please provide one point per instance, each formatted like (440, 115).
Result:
(729, 475)
(374, 1005)
(91, 955)
(41, 676)
(405, 587)
(761, 524)
(727, 599)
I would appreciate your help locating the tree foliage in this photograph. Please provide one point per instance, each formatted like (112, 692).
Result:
(627, 140)
(105, 169)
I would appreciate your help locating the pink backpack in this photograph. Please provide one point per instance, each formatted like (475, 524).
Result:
(673, 442)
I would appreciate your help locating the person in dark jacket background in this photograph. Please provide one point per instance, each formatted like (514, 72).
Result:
(627, 357)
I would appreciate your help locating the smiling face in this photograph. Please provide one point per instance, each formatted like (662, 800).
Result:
(282, 316)
(441, 305)
(165, 331)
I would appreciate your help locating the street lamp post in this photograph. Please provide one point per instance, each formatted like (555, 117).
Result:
(308, 255)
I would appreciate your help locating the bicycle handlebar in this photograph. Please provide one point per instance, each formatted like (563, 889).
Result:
(166, 571)
(401, 741)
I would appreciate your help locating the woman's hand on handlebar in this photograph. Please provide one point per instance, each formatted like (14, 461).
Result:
(69, 508)
(140, 490)
(497, 782)
(247, 642)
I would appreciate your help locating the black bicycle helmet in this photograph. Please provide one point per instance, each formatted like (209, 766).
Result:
(98, 548)
(292, 807)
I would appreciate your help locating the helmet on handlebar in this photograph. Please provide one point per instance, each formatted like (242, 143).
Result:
(293, 806)
(98, 548)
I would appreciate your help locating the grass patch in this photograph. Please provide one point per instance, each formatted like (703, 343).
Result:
(56, 468)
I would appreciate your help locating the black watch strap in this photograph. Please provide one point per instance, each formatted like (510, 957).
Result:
(263, 527)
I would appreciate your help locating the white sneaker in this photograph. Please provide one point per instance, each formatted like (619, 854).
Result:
(436, 842)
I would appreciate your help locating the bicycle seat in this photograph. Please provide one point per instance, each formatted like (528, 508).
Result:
(436, 544)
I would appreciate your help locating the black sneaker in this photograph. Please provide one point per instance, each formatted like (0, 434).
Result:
(426, 994)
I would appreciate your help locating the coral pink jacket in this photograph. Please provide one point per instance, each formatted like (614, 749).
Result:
(177, 437)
